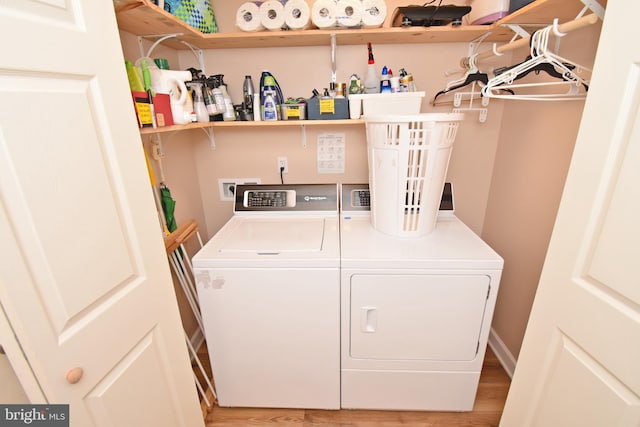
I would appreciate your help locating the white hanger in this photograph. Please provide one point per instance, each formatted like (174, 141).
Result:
(471, 96)
(539, 53)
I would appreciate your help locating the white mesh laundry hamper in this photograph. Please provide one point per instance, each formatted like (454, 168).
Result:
(408, 161)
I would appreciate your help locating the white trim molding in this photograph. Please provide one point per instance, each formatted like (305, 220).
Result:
(503, 354)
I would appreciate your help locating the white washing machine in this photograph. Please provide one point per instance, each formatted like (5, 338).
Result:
(269, 290)
(416, 312)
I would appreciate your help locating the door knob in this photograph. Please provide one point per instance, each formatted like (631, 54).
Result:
(74, 375)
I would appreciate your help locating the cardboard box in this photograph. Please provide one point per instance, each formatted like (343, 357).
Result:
(327, 109)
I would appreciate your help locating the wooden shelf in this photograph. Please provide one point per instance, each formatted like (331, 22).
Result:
(142, 17)
(238, 124)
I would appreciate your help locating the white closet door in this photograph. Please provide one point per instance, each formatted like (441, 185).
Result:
(84, 280)
(579, 360)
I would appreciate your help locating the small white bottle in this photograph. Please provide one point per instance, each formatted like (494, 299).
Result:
(229, 114)
(257, 111)
(218, 96)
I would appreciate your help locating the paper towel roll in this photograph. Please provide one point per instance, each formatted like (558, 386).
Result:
(248, 17)
(297, 15)
(323, 13)
(374, 12)
(349, 13)
(272, 15)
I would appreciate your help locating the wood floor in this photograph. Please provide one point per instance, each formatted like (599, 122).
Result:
(492, 393)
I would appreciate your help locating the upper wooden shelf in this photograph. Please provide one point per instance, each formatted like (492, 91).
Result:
(142, 17)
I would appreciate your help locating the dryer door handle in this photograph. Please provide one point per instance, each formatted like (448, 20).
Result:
(368, 319)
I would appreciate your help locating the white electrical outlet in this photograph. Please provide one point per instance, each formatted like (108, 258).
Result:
(227, 186)
(283, 165)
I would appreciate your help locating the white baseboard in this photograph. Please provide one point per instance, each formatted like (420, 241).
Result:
(503, 354)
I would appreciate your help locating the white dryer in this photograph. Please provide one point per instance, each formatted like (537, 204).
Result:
(416, 312)
(269, 290)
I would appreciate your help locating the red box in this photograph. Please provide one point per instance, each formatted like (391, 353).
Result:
(161, 106)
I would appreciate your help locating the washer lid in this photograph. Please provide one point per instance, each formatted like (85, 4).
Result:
(275, 235)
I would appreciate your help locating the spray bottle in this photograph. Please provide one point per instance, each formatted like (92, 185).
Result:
(229, 114)
(198, 102)
(371, 82)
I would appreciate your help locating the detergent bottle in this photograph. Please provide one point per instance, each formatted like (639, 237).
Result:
(172, 82)
(268, 83)
(269, 96)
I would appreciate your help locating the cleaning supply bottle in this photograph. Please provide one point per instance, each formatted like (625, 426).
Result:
(371, 82)
(269, 99)
(406, 82)
(209, 101)
(146, 80)
(385, 83)
(198, 103)
(218, 98)
(229, 114)
(272, 86)
(135, 79)
(354, 85)
(248, 93)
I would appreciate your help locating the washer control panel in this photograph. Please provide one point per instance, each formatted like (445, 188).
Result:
(275, 199)
(305, 198)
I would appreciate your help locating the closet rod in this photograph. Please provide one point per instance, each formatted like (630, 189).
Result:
(569, 26)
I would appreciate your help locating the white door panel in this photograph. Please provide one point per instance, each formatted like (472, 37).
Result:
(84, 279)
(579, 360)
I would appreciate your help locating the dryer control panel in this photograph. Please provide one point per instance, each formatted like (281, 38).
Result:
(357, 197)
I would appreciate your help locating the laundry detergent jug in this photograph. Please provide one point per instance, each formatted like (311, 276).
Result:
(172, 82)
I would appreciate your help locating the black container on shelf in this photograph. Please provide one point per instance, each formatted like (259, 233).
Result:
(327, 109)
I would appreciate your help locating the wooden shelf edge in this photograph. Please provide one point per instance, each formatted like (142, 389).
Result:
(142, 17)
(240, 125)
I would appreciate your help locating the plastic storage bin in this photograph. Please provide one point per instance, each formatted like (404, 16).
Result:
(384, 103)
(408, 159)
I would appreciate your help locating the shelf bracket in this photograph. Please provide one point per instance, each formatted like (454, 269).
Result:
(475, 44)
(198, 54)
(518, 30)
(594, 6)
(212, 140)
(304, 136)
(160, 37)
